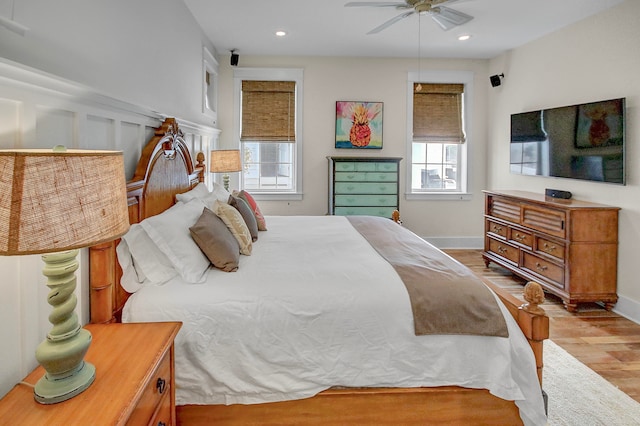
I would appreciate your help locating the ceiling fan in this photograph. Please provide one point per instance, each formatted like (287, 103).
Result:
(444, 16)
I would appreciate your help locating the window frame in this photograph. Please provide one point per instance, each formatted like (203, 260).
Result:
(434, 76)
(277, 74)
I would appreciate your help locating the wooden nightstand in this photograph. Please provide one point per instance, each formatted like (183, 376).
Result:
(134, 382)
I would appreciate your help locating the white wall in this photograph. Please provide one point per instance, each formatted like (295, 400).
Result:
(331, 79)
(145, 52)
(595, 59)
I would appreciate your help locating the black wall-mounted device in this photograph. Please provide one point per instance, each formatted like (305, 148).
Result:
(234, 58)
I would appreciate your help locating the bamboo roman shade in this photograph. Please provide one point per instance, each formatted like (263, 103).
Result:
(268, 111)
(437, 113)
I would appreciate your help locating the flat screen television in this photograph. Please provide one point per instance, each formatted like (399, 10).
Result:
(583, 141)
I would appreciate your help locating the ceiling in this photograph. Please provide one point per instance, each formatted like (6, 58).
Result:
(327, 28)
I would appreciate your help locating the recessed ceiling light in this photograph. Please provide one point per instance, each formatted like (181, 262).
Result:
(281, 33)
(464, 37)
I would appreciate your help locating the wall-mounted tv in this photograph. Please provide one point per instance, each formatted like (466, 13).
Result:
(584, 141)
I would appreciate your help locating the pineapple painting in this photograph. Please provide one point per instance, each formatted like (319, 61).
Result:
(358, 124)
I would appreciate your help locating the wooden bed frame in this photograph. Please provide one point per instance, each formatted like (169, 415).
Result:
(166, 169)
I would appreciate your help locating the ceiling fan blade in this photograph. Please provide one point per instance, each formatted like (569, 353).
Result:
(391, 22)
(376, 4)
(448, 18)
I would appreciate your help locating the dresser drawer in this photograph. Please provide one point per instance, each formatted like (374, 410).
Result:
(521, 237)
(365, 188)
(366, 200)
(496, 228)
(552, 248)
(544, 268)
(350, 176)
(371, 211)
(549, 221)
(366, 177)
(158, 386)
(381, 177)
(503, 208)
(505, 250)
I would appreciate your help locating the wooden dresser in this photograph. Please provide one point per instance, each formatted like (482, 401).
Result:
(568, 246)
(364, 185)
(134, 382)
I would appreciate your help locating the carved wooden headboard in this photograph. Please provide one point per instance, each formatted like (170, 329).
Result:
(165, 169)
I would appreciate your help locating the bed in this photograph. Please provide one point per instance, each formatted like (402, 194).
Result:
(291, 338)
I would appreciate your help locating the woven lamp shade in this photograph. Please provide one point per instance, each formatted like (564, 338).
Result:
(225, 161)
(54, 201)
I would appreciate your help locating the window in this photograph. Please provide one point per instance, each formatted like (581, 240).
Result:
(209, 85)
(437, 129)
(269, 131)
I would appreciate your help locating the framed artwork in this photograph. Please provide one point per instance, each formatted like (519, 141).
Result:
(600, 124)
(359, 125)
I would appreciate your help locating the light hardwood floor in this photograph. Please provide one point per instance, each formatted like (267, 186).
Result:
(606, 342)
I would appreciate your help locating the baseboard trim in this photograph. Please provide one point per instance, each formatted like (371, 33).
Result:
(628, 308)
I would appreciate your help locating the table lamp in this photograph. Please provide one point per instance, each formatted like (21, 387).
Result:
(225, 161)
(54, 202)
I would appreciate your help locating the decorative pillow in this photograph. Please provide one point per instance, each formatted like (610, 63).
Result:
(170, 232)
(216, 241)
(247, 214)
(234, 221)
(262, 225)
(148, 260)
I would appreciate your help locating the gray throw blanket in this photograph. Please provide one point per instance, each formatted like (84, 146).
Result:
(446, 297)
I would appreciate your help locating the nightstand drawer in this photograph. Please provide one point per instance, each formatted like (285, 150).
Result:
(158, 386)
(162, 415)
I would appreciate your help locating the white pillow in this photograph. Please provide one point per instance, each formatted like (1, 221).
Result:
(148, 260)
(220, 193)
(200, 191)
(129, 280)
(170, 232)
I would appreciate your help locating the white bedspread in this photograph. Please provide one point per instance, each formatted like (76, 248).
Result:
(313, 307)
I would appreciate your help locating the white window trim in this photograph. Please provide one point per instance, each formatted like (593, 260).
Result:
(210, 65)
(441, 76)
(277, 74)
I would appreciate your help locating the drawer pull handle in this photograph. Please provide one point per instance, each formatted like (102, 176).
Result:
(519, 237)
(549, 248)
(162, 424)
(502, 250)
(540, 268)
(161, 385)
(497, 229)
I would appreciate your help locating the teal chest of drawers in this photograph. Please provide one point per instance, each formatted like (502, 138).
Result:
(364, 185)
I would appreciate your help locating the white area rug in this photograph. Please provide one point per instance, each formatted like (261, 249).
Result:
(578, 396)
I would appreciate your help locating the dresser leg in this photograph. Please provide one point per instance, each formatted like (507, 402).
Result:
(571, 307)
